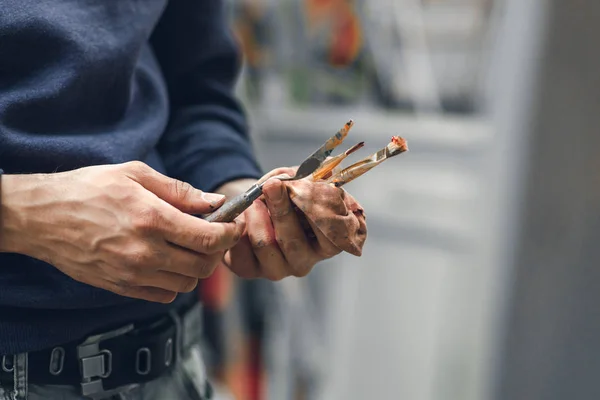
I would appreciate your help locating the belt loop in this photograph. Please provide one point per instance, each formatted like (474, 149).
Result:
(143, 361)
(57, 361)
(169, 352)
(8, 367)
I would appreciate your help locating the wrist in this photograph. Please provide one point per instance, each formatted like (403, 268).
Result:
(14, 193)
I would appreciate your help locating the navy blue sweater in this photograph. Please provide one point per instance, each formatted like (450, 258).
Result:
(88, 82)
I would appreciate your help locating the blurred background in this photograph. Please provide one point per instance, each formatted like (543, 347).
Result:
(478, 278)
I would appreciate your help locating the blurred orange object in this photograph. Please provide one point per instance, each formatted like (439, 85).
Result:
(216, 290)
(242, 371)
(345, 31)
(346, 39)
(319, 10)
(252, 13)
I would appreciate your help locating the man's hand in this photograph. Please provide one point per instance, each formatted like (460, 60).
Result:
(123, 228)
(274, 245)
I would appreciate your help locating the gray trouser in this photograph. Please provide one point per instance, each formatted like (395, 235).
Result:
(186, 381)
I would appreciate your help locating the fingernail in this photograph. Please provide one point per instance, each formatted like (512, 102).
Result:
(213, 197)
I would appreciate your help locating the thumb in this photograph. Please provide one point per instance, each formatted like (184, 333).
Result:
(179, 194)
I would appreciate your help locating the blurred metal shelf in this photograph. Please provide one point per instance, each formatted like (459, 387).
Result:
(447, 132)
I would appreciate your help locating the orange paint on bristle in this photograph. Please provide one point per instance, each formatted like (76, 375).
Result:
(400, 143)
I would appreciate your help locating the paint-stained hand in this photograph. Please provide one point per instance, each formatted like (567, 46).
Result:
(275, 244)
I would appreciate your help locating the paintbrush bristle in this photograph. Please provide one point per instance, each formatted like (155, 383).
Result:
(397, 146)
(354, 148)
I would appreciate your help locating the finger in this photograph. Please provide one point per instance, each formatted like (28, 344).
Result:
(182, 261)
(124, 279)
(323, 247)
(168, 281)
(198, 235)
(179, 194)
(153, 294)
(272, 264)
(242, 261)
(114, 279)
(289, 233)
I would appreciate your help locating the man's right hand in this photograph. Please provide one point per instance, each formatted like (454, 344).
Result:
(123, 228)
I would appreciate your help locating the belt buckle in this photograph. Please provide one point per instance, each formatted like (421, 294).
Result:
(96, 363)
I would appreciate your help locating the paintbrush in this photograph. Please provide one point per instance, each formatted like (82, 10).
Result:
(396, 146)
(328, 167)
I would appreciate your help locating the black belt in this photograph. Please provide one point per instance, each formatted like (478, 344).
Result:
(131, 355)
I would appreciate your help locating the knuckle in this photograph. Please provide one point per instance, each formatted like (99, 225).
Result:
(135, 166)
(264, 242)
(182, 189)
(145, 219)
(138, 256)
(208, 241)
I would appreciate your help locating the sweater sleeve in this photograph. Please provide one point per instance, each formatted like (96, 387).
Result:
(207, 142)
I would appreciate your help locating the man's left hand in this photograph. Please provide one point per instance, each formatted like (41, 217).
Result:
(274, 245)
